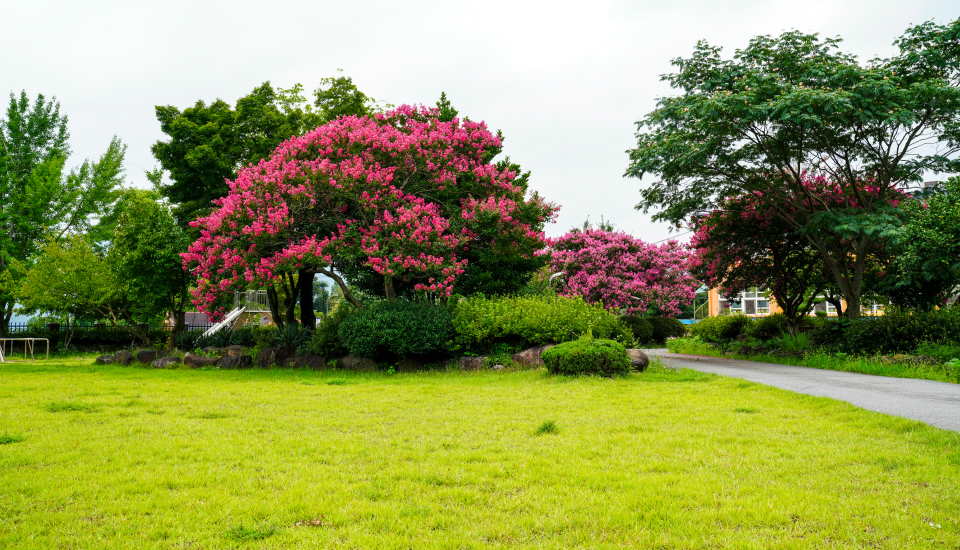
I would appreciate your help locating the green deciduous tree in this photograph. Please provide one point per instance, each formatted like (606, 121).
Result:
(925, 271)
(39, 199)
(145, 257)
(790, 107)
(70, 278)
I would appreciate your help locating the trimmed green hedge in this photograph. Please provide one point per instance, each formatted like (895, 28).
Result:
(721, 329)
(397, 329)
(588, 356)
(483, 323)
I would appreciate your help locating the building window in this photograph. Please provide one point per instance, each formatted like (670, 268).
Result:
(753, 301)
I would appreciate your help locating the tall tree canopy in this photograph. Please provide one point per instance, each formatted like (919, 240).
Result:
(207, 143)
(788, 108)
(39, 198)
(401, 198)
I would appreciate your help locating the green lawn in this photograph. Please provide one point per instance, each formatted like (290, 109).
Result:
(822, 360)
(114, 457)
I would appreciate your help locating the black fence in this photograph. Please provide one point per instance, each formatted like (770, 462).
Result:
(90, 337)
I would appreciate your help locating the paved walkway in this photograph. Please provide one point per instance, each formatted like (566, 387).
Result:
(936, 403)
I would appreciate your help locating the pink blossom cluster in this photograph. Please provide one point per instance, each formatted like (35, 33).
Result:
(623, 273)
(401, 193)
(722, 235)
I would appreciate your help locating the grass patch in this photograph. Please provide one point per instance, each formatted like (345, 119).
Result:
(71, 406)
(660, 459)
(242, 533)
(548, 427)
(7, 439)
(820, 360)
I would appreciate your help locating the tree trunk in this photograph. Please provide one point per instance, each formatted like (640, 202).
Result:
(388, 291)
(308, 319)
(344, 288)
(290, 300)
(274, 301)
(6, 313)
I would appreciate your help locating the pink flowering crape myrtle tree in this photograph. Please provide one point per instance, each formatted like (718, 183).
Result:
(623, 273)
(396, 203)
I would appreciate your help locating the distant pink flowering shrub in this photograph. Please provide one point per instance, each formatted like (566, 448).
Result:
(623, 273)
(401, 194)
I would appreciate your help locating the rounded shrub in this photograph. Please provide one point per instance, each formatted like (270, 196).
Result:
(721, 329)
(397, 329)
(666, 327)
(641, 327)
(325, 341)
(588, 356)
(482, 324)
(767, 328)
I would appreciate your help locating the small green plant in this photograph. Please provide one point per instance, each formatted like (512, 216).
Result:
(242, 533)
(588, 356)
(6, 439)
(71, 406)
(337, 382)
(548, 427)
(745, 410)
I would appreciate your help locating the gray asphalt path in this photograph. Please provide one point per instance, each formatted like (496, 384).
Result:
(936, 403)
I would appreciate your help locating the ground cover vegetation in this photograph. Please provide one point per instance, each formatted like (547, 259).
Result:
(900, 343)
(793, 145)
(295, 458)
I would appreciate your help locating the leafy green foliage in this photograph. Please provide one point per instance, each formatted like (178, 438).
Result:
(207, 143)
(71, 278)
(899, 332)
(481, 323)
(666, 327)
(145, 256)
(941, 352)
(794, 104)
(397, 329)
(39, 199)
(926, 270)
(641, 327)
(326, 338)
(588, 355)
(720, 329)
(769, 327)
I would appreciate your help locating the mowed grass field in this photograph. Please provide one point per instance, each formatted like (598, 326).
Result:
(121, 457)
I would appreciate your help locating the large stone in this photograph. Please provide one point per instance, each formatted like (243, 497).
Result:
(235, 351)
(165, 362)
(471, 363)
(531, 357)
(104, 360)
(638, 359)
(213, 350)
(309, 361)
(123, 357)
(352, 362)
(196, 361)
(147, 356)
(235, 362)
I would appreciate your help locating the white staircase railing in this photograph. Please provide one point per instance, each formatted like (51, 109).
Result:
(227, 321)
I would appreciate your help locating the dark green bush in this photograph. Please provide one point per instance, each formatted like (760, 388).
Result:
(940, 352)
(666, 327)
(899, 332)
(397, 329)
(641, 327)
(523, 321)
(588, 356)
(767, 328)
(721, 329)
(326, 340)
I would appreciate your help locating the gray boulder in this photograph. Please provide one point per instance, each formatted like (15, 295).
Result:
(147, 356)
(352, 362)
(531, 357)
(104, 360)
(235, 362)
(196, 361)
(165, 362)
(123, 357)
(638, 359)
(471, 363)
(309, 361)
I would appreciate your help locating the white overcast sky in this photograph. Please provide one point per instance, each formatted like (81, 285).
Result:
(564, 81)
